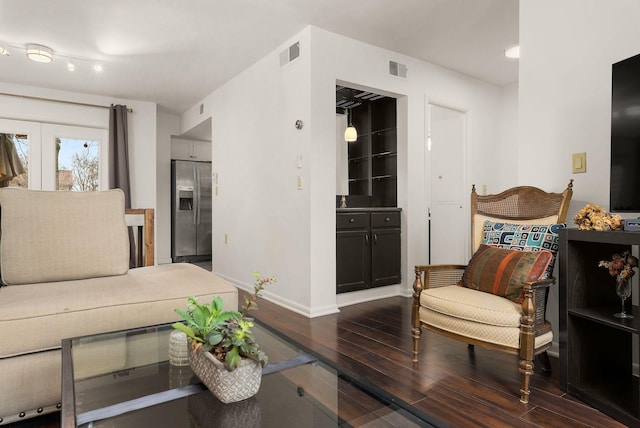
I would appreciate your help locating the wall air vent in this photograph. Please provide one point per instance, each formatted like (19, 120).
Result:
(397, 69)
(289, 54)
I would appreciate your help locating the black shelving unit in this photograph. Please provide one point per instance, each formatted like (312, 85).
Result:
(373, 157)
(596, 349)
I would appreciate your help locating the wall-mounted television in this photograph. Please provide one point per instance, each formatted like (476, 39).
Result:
(625, 136)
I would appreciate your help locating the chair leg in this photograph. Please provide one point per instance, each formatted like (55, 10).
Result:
(545, 363)
(526, 371)
(416, 332)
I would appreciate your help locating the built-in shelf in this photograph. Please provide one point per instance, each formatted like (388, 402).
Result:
(596, 348)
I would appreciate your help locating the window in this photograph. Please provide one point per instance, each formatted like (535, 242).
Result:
(17, 162)
(59, 157)
(77, 165)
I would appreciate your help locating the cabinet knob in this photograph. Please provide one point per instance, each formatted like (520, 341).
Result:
(387, 219)
(351, 220)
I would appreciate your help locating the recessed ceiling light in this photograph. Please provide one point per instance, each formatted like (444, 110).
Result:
(39, 53)
(97, 68)
(512, 52)
(70, 65)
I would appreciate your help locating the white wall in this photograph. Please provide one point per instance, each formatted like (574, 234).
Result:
(168, 125)
(568, 48)
(275, 228)
(142, 127)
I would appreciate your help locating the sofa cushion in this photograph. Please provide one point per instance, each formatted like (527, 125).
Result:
(144, 296)
(59, 236)
(524, 237)
(503, 272)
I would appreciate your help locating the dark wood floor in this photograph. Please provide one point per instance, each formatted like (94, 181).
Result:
(372, 342)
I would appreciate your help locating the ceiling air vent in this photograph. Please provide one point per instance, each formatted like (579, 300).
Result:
(397, 69)
(289, 54)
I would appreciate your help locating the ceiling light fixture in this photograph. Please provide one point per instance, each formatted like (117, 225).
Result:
(513, 52)
(4, 51)
(70, 65)
(97, 68)
(39, 53)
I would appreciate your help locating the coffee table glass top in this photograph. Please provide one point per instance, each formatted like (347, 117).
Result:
(124, 379)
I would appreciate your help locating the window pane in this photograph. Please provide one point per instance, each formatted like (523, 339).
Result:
(19, 142)
(78, 164)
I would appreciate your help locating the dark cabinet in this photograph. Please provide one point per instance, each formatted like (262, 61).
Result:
(596, 349)
(367, 249)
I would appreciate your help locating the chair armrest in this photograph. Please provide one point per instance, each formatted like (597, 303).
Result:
(534, 304)
(436, 276)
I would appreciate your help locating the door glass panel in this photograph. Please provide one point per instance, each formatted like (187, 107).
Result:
(77, 164)
(14, 164)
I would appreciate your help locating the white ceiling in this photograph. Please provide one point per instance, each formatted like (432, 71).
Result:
(176, 52)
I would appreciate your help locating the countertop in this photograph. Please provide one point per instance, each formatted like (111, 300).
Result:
(366, 209)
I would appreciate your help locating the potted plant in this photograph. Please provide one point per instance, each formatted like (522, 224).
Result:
(222, 350)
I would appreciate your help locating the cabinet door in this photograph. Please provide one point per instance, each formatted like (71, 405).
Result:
(201, 150)
(385, 257)
(181, 149)
(353, 260)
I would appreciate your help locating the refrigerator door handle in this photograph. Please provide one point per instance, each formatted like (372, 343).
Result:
(196, 188)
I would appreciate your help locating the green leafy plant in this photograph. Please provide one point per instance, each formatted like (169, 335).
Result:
(226, 334)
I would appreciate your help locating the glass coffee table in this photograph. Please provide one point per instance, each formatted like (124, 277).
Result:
(124, 379)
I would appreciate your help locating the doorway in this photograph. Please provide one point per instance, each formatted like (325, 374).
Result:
(448, 206)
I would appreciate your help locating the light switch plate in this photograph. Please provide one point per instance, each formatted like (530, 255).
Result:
(579, 162)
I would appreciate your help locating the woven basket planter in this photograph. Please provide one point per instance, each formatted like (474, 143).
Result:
(228, 387)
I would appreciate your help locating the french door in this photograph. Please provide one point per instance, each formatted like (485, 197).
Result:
(58, 157)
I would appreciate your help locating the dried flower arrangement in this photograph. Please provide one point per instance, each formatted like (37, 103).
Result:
(593, 217)
(620, 264)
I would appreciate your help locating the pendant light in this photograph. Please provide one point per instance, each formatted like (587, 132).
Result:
(350, 134)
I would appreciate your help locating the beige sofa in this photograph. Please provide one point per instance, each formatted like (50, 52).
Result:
(64, 264)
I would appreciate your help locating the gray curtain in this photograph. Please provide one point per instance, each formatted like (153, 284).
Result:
(119, 163)
(119, 152)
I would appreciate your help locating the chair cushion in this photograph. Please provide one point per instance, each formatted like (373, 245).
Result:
(503, 336)
(524, 237)
(60, 236)
(503, 271)
(472, 305)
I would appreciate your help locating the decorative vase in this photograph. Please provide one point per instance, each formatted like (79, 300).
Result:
(623, 290)
(227, 386)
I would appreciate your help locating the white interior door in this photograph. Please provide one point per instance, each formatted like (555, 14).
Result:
(449, 217)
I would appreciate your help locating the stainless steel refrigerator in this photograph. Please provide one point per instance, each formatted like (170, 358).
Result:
(190, 211)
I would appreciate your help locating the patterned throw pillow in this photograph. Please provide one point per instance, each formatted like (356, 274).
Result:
(502, 272)
(524, 237)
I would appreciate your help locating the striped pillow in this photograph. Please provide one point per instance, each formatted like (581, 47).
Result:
(524, 237)
(503, 271)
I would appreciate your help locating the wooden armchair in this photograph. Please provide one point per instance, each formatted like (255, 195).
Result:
(482, 318)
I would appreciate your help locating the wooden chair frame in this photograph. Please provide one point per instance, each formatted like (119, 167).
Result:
(142, 220)
(518, 203)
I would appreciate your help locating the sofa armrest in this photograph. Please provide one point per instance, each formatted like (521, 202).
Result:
(141, 220)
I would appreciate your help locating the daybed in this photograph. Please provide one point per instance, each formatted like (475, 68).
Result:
(64, 264)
